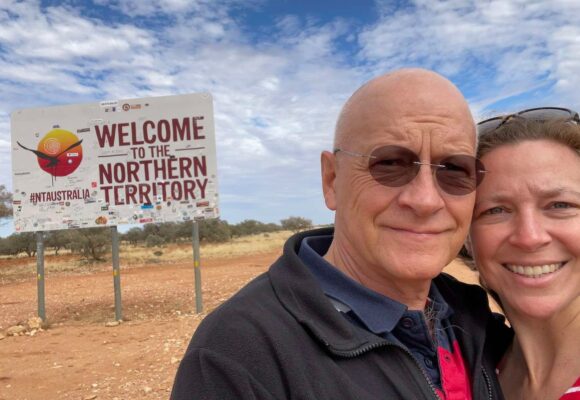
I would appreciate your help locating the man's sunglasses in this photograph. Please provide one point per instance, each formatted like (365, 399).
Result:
(395, 166)
(536, 114)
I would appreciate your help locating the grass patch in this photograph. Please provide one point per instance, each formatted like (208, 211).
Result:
(24, 268)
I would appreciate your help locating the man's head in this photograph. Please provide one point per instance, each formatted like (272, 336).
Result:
(394, 239)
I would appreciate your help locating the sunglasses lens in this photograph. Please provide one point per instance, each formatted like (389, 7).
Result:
(393, 166)
(461, 175)
(546, 113)
(489, 125)
(536, 114)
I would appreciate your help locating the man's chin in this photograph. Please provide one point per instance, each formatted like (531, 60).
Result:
(420, 268)
(424, 250)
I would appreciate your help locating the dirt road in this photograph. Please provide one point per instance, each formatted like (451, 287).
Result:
(80, 358)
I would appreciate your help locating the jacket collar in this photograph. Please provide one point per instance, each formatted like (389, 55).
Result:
(300, 293)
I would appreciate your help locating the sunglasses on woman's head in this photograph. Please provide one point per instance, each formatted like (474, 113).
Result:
(395, 166)
(536, 114)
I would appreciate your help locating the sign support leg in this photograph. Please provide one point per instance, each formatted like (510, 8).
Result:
(196, 268)
(40, 274)
(116, 274)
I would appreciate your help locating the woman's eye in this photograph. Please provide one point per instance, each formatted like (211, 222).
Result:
(493, 211)
(561, 205)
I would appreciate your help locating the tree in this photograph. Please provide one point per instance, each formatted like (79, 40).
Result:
(5, 202)
(133, 235)
(214, 230)
(168, 231)
(251, 226)
(183, 231)
(92, 243)
(24, 242)
(295, 224)
(18, 243)
(154, 240)
(272, 227)
(58, 240)
(5, 249)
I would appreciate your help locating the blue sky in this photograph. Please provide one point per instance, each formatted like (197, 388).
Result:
(279, 71)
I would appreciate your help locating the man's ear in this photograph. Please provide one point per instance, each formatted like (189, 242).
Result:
(328, 170)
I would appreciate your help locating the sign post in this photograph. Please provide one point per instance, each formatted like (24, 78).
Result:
(40, 274)
(197, 268)
(116, 273)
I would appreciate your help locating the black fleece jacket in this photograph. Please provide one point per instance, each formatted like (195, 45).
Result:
(281, 338)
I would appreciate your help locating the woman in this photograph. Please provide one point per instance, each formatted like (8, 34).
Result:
(525, 239)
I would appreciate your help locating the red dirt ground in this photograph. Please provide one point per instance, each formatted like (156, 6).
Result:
(78, 357)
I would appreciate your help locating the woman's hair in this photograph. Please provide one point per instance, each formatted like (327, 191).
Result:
(519, 129)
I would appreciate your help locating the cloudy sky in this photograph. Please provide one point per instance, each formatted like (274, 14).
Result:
(279, 70)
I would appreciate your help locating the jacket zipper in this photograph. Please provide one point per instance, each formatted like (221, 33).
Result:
(487, 382)
(362, 350)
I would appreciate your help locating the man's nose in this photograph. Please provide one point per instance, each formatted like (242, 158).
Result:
(422, 194)
(529, 232)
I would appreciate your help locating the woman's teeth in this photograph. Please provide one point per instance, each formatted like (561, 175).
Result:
(533, 271)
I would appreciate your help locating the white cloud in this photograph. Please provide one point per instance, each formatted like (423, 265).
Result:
(509, 47)
(136, 8)
(206, 9)
(62, 35)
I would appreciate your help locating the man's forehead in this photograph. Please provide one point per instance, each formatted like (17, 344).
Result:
(416, 104)
(394, 103)
(439, 128)
(451, 138)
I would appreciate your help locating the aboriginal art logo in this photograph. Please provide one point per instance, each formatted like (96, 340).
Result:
(59, 152)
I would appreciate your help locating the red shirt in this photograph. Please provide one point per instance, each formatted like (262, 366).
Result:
(573, 393)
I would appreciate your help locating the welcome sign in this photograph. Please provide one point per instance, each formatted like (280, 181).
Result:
(114, 162)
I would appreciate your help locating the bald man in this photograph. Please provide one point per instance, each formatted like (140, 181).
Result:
(362, 311)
